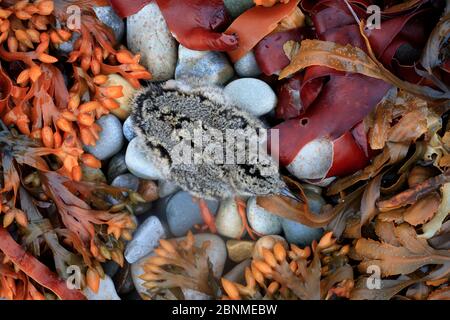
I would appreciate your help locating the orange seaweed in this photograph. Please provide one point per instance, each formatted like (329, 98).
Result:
(255, 24)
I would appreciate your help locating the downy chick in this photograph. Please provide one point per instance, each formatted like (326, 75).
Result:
(167, 116)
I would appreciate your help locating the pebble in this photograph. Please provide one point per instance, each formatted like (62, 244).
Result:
(166, 188)
(126, 181)
(143, 208)
(148, 190)
(262, 221)
(108, 16)
(298, 233)
(128, 130)
(237, 7)
(145, 239)
(237, 274)
(147, 34)
(159, 209)
(315, 200)
(216, 251)
(110, 268)
(239, 250)
(247, 66)
(116, 166)
(123, 280)
(139, 163)
(106, 291)
(267, 242)
(92, 174)
(209, 66)
(128, 93)
(253, 95)
(313, 161)
(111, 138)
(183, 213)
(228, 222)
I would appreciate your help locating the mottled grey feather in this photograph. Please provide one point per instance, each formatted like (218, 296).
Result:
(161, 112)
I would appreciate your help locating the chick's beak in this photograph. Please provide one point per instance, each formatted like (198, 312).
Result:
(288, 193)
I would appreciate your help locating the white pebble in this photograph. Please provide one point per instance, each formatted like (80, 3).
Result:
(147, 34)
(313, 161)
(110, 140)
(247, 66)
(228, 222)
(253, 95)
(145, 239)
(139, 161)
(210, 67)
(261, 220)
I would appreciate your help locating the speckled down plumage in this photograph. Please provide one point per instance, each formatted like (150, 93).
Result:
(164, 113)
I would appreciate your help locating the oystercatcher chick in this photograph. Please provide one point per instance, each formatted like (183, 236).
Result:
(186, 129)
